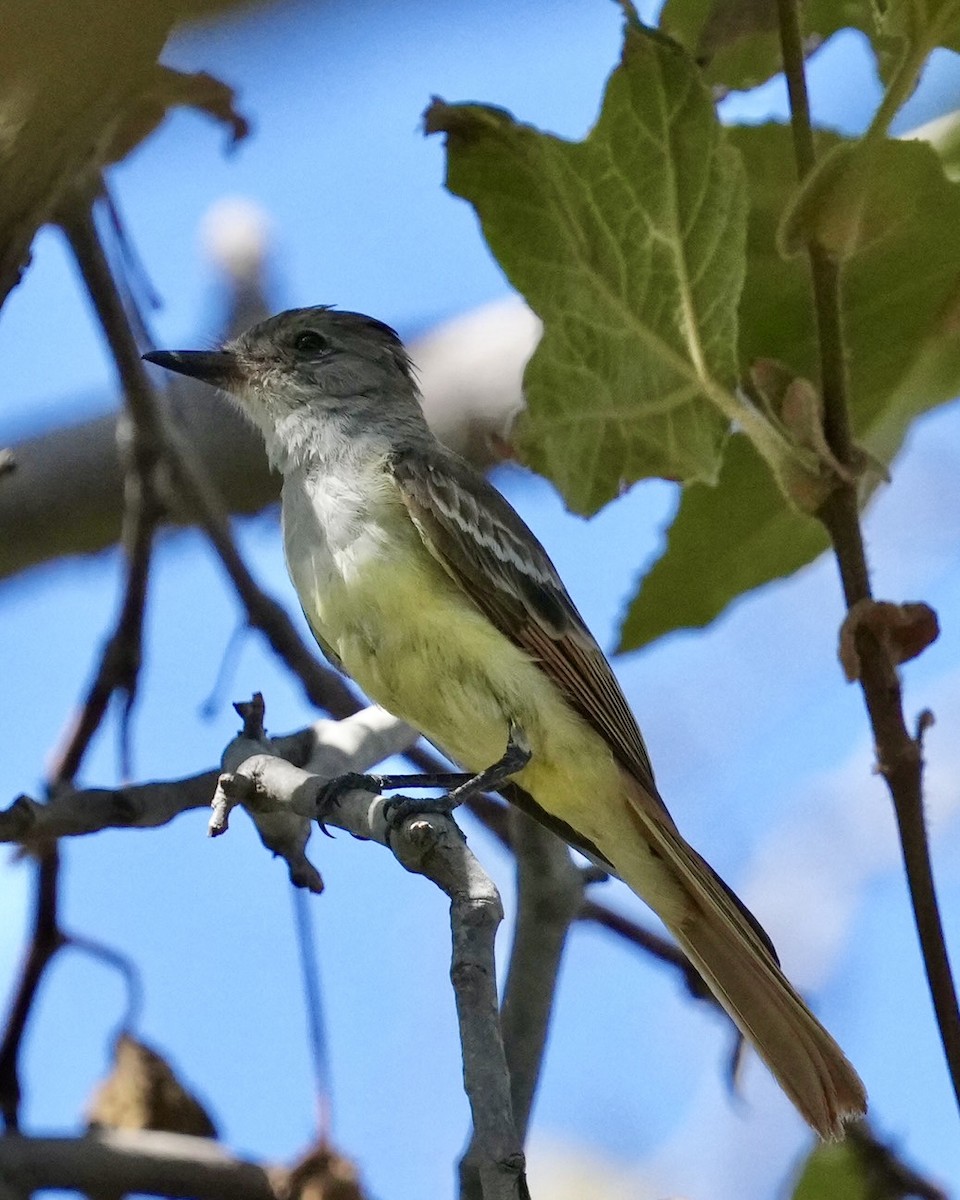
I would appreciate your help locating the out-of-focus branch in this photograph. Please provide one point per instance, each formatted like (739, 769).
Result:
(140, 441)
(549, 897)
(65, 497)
(46, 939)
(120, 1162)
(171, 456)
(652, 943)
(886, 1173)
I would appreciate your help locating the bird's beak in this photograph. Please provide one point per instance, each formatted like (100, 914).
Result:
(217, 367)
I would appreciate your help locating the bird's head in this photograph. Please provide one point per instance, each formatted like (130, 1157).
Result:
(307, 365)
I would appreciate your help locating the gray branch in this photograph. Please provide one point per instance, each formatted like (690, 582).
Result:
(549, 897)
(66, 495)
(124, 1161)
(275, 790)
(278, 782)
(328, 747)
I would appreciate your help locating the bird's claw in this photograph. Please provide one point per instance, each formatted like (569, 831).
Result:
(335, 789)
(396, 809)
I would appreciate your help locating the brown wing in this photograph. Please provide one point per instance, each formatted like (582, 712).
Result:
(489, 551)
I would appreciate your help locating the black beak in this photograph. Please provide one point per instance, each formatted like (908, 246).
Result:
(217, 367)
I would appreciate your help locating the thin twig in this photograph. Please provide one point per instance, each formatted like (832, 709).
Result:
(140, 437)
(316, 1025)
(651, 943)
(45, 941)
(899, 755)
(324, 687)
(119, 666)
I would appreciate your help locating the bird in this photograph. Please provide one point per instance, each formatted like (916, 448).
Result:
(422, 583)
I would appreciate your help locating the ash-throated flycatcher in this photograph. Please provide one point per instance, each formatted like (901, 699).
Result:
(425, 586)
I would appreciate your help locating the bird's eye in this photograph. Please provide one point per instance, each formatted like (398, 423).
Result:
(310, 342)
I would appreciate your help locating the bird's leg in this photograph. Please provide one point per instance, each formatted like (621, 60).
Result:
(335, 789)
(514, 759)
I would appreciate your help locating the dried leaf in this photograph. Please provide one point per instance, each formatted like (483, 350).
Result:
(903, 629)
(143, 1092)
(168, 89)
(322, 1174)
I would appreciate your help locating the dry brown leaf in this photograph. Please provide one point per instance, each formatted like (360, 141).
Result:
(143, 1092)
(322, 1174)
(903, 629)
(170, 89)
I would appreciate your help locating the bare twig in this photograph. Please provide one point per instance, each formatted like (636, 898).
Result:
(89, 810)
(140, 437)
(45, 941)
(316, 1025)
(652, 943)
(119, 665)
(169, 450)
(899, 755)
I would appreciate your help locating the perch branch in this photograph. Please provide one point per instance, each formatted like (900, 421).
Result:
(432, 846)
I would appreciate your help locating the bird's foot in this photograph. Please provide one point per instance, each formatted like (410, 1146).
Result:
(514, 759)
(333, 792)
(396, 809)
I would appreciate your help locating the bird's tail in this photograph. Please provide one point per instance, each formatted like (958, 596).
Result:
(729, 948)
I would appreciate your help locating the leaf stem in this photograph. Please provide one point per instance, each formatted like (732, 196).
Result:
(899, 754)
(908, 68)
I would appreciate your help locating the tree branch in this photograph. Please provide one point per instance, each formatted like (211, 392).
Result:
(549, 896)
(432, 846)
(46, 939)
(126, 1161)
(899, 754)
(139, 434)
(65, 497)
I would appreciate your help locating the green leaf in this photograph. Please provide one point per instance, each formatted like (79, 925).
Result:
(901, 297)
(943, 134)
(629, 246)
(900, 290)
(737, 42)
(723, 542)
(857, 193)
(905, 33)
(834, 1172)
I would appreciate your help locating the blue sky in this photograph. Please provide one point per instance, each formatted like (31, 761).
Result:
(761, 750)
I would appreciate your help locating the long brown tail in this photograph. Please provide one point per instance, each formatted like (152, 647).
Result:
(728, 947)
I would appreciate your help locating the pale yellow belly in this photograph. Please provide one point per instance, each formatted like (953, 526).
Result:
(416, 645)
